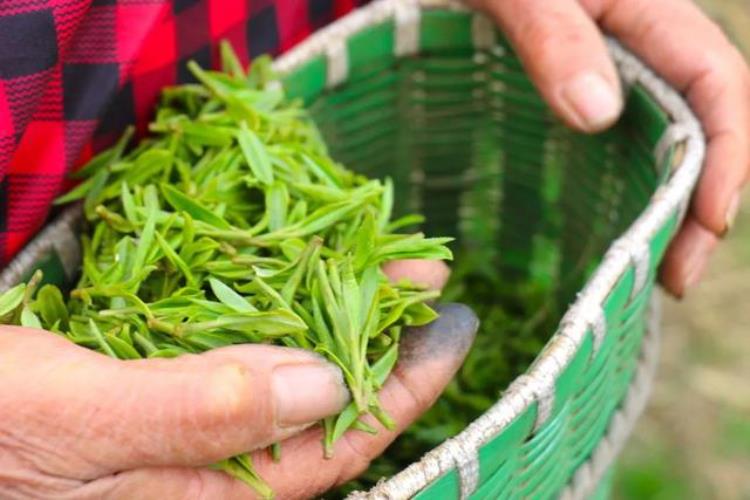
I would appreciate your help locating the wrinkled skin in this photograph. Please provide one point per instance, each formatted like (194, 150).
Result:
(76, 424)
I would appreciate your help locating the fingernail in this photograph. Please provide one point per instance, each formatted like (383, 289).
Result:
(592, 100)
(732, 210)
(696, 269)
(306, 393)
(451, 335)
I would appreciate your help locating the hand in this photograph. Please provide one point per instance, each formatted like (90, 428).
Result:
(76, 424)
(563, 50)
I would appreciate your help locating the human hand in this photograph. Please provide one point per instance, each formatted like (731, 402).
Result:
(564, 52)
(76, 424)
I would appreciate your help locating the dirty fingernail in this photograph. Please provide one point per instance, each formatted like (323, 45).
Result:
(451, 335)
(305, 393)
(592, 100)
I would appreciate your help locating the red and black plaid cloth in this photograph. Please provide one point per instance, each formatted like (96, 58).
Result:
(74, 73)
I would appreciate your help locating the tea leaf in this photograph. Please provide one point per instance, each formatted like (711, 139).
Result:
(93, 193)
(383, 366)
(107, 157)
(277, 202)
(229, 297)
(255, 154)
(121, 349)
(343, 423)
(175, 259)
(99, 338)
(206, 135)
(51, 306)
(128, 205)
(242, 468)
(146, 240)
(180, 202)
(415, 247)
(77, 193)
(11, 299)
(386, 207)
(232, 224)
(29, 319)
(229, 61)
(271, 323)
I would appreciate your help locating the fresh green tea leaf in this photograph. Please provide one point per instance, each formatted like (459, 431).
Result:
(121, 349)
(255, 154)
(229, 297)
(232, 224)
(198, 212)
(29, 319)
(277, 204)
(50, 305)
(11, 299)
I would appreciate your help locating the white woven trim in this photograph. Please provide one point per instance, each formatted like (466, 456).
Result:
(674, 134)
(542, 375)
(598, 326)
(318, 43)
(407, 18)
(540, 384)
(579, 319)
(338, 63)
(374, 13)
(483, 32)
(467, 465)
(589, 475)
(640, 258)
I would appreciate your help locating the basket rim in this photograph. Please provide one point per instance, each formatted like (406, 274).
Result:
(537, 385)
(586, 313)
(587, 476)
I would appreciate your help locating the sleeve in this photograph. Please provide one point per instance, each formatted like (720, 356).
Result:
(75, 73)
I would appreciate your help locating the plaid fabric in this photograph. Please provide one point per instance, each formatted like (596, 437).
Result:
(74, 73)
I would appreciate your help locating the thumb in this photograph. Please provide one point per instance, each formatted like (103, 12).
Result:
(566, 57)
(111, 415)
(430, 357)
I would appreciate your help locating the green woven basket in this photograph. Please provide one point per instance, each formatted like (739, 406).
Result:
(430, 94)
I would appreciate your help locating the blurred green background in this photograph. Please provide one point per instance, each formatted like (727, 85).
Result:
(693, 442)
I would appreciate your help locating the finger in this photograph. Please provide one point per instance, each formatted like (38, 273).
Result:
(193, 410)
(429, 358)
(165, 483)
(565, 55)
(691, 53)
(430, 273)
(687, 257)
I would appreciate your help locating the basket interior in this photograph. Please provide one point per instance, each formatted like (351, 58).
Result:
(470, 144)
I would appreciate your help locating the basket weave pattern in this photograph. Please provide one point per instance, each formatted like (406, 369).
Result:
(430, 94)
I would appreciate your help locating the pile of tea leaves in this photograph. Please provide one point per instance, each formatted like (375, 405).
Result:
(231, 224)
(516, 318)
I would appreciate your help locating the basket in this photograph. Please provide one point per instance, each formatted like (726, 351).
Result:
(430, 94)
